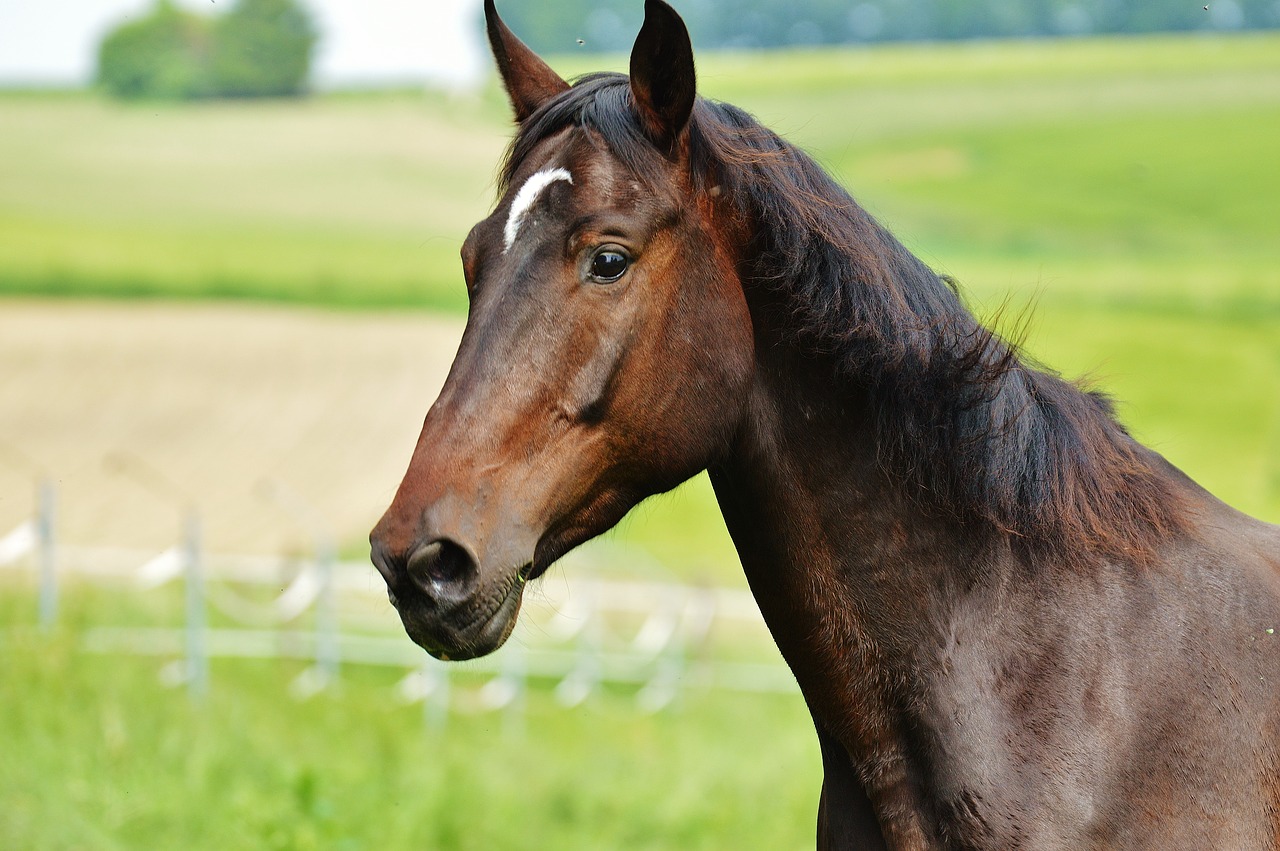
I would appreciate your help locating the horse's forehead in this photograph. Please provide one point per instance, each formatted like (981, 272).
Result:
(526, 196)
(597, 177)
(585, 158)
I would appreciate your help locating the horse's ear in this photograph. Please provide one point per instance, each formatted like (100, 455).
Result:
(529, 81)
(663, 82)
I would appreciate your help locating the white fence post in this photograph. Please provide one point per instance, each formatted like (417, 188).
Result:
(583, 678)
(327, 656)
(515, 668)
(435, 704)
(45, 518)
(197, 661)
(327, 650)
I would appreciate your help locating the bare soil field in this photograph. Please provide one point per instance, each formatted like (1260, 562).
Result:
(134, 409)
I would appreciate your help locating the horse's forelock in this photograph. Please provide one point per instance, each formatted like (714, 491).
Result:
(597, 102)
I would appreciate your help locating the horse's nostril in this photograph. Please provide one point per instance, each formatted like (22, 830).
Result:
(441, 567)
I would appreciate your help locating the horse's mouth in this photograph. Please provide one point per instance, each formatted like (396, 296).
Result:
(469, 631)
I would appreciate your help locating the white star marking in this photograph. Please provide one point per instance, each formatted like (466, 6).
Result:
(525, 199)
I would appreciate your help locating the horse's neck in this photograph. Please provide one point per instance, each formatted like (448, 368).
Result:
(823, 530)
(847, 570)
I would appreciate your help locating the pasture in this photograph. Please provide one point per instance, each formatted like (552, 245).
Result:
(99, 755)
(1122, 194)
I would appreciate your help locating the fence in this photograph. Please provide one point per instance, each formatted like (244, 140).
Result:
(612, 616)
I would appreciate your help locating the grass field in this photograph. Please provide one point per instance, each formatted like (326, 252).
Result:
(98, 755)
(1100, 168)
(1128, 190)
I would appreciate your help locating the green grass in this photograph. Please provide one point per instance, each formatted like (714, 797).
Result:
(337, 201)
(99, 755)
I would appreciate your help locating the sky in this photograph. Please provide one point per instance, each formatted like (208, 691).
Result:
(439, 42)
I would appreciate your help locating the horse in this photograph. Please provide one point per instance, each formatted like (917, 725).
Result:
(1013, 625)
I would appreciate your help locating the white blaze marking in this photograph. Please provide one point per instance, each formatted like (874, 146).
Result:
(525, 198)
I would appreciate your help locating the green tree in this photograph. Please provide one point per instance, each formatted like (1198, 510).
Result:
(262, 48)
(163, 55)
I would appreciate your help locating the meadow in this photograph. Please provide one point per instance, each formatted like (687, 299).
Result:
(1123, 196)
(98, 755)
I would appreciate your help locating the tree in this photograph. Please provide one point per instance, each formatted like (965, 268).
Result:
(159, 56)
(262, 48)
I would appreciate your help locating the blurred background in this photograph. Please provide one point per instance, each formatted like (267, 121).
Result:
(229, 291)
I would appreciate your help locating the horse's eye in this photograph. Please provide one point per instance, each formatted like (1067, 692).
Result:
(608, 266)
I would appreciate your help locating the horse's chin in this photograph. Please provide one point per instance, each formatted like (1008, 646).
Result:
(460, 634)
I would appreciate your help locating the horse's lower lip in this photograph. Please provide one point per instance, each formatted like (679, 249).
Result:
(433, 632)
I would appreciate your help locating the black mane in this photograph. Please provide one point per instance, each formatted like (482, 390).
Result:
(1031, 455)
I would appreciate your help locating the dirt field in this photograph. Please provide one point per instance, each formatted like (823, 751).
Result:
(122, 404)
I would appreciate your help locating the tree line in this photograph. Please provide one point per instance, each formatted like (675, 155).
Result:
(610, 25)
(263, 48)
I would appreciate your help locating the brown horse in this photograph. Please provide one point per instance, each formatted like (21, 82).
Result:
(1014, 626)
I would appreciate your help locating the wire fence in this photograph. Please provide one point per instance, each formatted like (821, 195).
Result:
(613, 617)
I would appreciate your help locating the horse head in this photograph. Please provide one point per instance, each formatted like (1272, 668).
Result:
(607, 351)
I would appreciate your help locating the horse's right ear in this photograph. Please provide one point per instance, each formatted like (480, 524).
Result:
(663, 82)
(529, 81)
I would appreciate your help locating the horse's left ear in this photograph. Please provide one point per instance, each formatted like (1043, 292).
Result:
(663, 82)
(529, 81)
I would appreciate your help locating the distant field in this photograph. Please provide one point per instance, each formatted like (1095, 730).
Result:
(345, 202)
(1110, 169)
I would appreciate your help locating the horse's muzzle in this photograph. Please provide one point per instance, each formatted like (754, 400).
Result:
(448, 605)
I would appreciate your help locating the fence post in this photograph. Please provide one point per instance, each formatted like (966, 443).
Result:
(515, 672)
(327, 650)
(197, 661)
(435, 706)
(45, 518)
(327, 645)
(577, 685)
